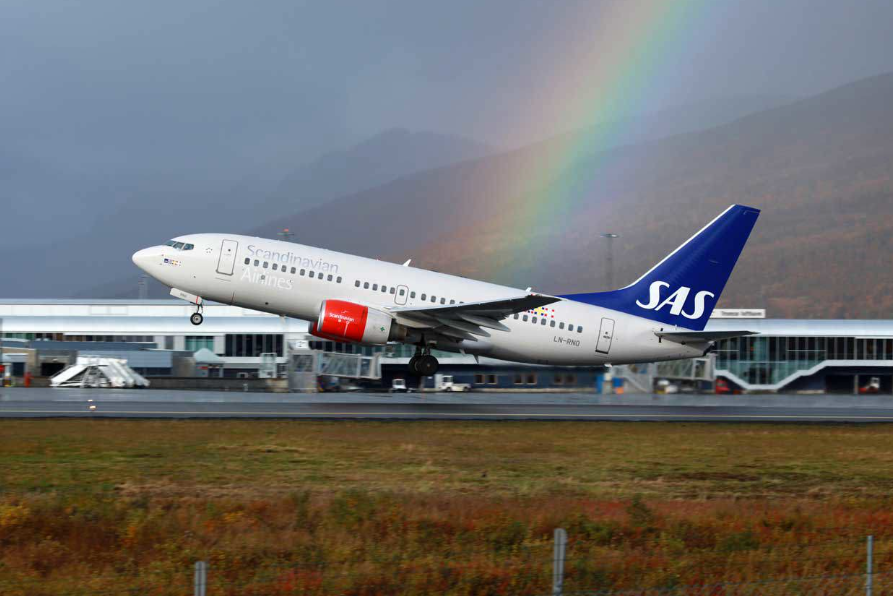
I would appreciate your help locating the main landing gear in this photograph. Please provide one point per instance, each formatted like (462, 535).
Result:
(423, 364)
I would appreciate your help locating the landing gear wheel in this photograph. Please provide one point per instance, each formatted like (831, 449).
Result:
(196, 318)
(427, 365)
(413, 365)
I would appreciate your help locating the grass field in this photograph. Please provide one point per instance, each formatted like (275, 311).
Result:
(281, 507)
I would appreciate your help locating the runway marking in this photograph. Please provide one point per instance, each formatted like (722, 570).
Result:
(451, 415)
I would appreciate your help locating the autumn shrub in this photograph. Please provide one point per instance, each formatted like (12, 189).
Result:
(394, 522)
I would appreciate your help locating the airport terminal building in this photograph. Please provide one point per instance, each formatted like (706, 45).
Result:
(832, 356)
(157, 339)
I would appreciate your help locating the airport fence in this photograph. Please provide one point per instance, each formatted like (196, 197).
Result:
(560, 567)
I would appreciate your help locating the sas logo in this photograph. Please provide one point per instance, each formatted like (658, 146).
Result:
(676, 300)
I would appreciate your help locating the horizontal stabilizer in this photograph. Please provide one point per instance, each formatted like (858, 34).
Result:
(700, 336)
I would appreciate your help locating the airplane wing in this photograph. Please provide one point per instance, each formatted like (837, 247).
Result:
(469, 319)
(700, 336)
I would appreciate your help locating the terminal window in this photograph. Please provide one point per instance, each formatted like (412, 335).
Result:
(197, 342)
(252, 345)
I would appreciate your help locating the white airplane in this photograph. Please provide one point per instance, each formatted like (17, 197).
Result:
(347, 298)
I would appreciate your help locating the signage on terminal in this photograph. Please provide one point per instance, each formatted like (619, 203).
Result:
(739, 313)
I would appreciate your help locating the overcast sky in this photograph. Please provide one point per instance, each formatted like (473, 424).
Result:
(118, 93)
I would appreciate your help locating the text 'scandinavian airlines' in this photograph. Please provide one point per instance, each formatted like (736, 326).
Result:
(661, 316)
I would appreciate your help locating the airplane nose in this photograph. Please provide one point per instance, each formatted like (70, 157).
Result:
(143, 258)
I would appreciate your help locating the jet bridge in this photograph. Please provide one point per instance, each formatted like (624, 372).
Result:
(306, 366)
(693, 372)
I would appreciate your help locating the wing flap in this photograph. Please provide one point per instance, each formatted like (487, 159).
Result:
(484, 322)
(502, 307)
(463, 325)
(700, 336)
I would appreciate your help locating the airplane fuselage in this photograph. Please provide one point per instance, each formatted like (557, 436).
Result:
(294, 280)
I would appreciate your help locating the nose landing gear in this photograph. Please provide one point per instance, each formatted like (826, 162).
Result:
(197, 317)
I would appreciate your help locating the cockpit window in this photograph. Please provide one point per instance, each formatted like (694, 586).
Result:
(169, 243)
(179, 245)
(189, 247)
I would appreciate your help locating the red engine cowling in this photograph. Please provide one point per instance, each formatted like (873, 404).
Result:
(349, 321)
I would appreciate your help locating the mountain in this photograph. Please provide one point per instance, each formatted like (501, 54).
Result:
(324, 180)
(820, 168)
(387, 156)
(394, 154)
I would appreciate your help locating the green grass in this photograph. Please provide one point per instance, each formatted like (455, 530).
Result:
(603, 460)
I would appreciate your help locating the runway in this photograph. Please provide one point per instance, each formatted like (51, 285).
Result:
(46, 403)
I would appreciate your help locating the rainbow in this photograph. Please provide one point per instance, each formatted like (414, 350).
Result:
(608, 84)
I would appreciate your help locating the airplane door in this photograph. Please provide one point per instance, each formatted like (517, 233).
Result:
(605, 336)
(227, 257)
(401, 294)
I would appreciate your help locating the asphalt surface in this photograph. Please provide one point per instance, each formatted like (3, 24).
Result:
(104, 403)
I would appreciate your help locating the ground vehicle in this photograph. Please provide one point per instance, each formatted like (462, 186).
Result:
(399, 386)
(664, 386)
(446, 383)
(873, 386)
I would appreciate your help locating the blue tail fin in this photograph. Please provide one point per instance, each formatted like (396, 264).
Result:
(682, 289)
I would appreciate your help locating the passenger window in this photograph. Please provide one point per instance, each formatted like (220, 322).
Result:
(533, 320)
(266, 265)
(570, 327)
(452, 302)
(338, 281)
(311, 274)
(293, 270)
(356, 284)
(330, 277)
(366, 286)
(303, 271)
(374, 287)
(443, 300)
(412, 294)
(402, 292)
(551, 323)
(247, 260)
(561, 325)
(516, 316)
(424, 296)
(524, 319)
(542, 321)
(394, 290)
(579, 330)
(275, 266)
(433, 298)
(384, 289)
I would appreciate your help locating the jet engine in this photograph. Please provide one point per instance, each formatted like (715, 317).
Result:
(348, 321)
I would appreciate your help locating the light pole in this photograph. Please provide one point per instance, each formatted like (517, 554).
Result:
(610, 261)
